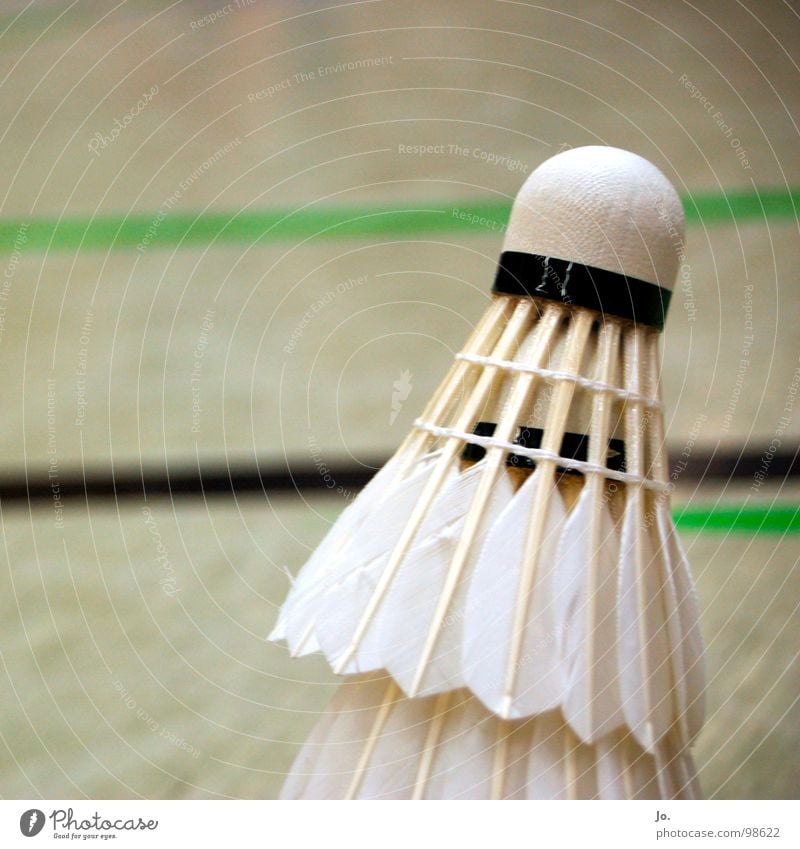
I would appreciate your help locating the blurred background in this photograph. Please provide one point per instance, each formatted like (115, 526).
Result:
(229, 231)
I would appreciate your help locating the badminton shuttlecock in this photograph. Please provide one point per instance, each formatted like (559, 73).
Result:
(514, 569)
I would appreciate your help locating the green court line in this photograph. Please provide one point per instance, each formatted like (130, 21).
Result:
(742, 206)
(166, 229)
(752, 520)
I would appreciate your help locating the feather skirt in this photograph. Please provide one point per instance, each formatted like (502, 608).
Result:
(373, 743)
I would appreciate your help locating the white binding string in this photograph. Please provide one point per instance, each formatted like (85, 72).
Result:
(550, 374)
(543, 454)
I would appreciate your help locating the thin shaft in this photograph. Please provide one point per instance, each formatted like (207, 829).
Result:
(444, 398)
(553, 436)
(570, 763)
(494, 465)
(432, 740)
(500, 759)
(658, 454)
(635, 425)
(627, 769)
(436, 410)
(602, 404)
(660, 503)
(507, 344)
(389, 698)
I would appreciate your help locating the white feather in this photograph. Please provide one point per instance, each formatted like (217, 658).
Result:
(684, 623)
(407, 613)
(462, 764)
(339, 534)
(586, 595)
(611, 767)
(405, 620)
(643, 637)
(641, 778)
(326, 763)
(516, 737)
(644, 607)
(372, 744)
(394, 764)
(546, 773)
(491, 605)
(343, 607)
(377, 532)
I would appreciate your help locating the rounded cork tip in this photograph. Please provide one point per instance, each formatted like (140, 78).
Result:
(603, 207)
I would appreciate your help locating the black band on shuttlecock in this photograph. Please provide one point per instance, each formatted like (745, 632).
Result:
(582, 286)
(574, 446)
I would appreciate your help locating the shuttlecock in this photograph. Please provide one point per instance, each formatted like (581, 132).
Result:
(517, 554)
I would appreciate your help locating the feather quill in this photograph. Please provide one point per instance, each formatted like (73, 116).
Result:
(338, 536)
(586, 580)
(511, 659)
(491, 602)
(342, 608)
(410, 606)
(586, 599)
(683, 620)
(643, 637)
(377, 531)
(325, 765)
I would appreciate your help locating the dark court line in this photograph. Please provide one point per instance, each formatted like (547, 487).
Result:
(345, 480)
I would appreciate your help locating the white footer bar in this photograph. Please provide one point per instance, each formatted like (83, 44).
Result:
(400, 825)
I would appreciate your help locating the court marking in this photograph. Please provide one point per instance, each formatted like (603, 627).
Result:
(188, 229)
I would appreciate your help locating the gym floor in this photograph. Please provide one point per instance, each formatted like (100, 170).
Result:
(229, 229)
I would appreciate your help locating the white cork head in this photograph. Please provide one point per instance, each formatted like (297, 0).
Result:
(604, 207)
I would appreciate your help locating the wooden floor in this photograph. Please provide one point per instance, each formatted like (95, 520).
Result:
(131, 669)
(134, 660)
